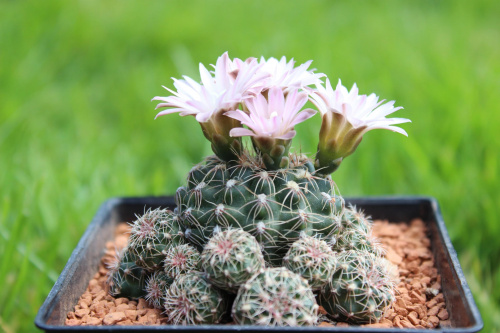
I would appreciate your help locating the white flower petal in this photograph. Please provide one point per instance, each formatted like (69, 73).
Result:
(231, 84)
(240, 131)
(275, 116)
(359, 110)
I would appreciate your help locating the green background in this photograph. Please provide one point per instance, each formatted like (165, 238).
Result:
(76, 121)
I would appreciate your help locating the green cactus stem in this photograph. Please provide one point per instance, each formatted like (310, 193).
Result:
(313, 259)
(275, 207)
(275, 297)
(125, 278)
(152, 235)
(181, 259)
(230, 258)
(191, 300)
(156, 287)
(361, 289)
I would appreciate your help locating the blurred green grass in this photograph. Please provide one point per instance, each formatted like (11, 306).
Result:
(76, 121)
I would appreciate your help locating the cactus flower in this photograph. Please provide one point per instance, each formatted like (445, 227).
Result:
(347, 116)
(271, 122)
(283, 74)
(230, 85)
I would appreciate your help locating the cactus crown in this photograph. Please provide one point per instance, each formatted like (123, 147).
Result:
(156, 287)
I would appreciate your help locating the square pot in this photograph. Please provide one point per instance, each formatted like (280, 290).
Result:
(84, 261)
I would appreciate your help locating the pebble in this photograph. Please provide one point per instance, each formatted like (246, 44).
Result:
(113, 317)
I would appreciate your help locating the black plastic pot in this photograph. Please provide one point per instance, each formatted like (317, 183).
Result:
(83, 264)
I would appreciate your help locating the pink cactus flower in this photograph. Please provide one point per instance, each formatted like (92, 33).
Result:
(347, 116)
(283, 74)
(359, 110)
(274, 117)
(223, 91)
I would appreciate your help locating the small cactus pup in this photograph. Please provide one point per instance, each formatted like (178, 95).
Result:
(191, 300)
(181, 259)
(125, 278)
(361, 288)
(152, 235)
(275, 297)
(354, 232)
(347, 116)
(156, 287)
(313, 259)
(230, 258)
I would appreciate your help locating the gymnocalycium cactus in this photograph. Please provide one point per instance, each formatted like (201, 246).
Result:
(152, 235)
(230, 258)
(156, 287)
(275, 297)
(312, 259)
(125, 277)
(192, 300)
(360, 289)
(256, 206)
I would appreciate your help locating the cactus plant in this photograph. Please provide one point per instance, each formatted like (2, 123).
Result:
(354, 233)
(361, 288)
(181, 259)
(256, 203)
(125, 278)
(275, 297)
(152, 234)
(312, 259)
(274, 206)
(230, 258)
(192, 300)
(156, 287)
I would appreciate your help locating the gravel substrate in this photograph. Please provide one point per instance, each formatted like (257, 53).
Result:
(419, 301)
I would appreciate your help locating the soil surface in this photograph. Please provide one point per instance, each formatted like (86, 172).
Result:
(419, 300)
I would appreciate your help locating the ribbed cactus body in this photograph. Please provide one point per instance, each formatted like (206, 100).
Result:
(181, 259)
(230, 258)
(191, 300)
(275, 207)
(275, 297)
(360, 290)
(156, 287)
(312, 259)
(152, 235)
(125, 278)
(353, 232)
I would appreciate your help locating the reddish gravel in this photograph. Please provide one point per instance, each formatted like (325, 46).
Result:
(419, 301)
